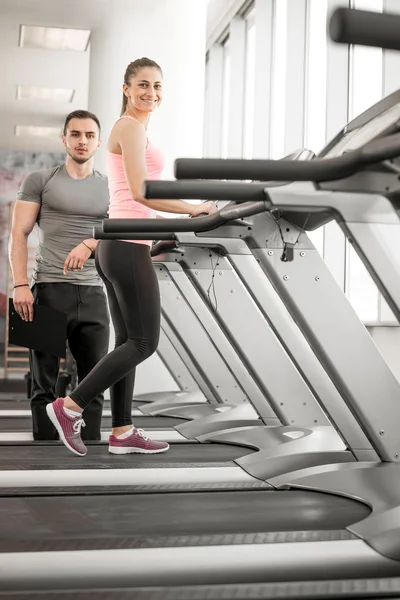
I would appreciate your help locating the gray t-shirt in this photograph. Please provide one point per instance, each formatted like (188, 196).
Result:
(69, 209)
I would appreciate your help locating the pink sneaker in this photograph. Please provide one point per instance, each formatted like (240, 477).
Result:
(137, 442)
(69, 428)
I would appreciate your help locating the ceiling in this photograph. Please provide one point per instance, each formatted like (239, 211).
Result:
(59, 69)
(46, 68)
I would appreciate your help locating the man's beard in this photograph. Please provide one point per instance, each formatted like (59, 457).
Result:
(77, 159)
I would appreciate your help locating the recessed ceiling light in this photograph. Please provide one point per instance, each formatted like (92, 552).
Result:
(35, 131)
(53, 38)
(31, 92)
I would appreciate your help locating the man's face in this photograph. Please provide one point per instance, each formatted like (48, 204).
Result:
(81, 140)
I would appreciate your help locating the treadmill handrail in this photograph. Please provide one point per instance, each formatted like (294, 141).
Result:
(99, 234)
(199, 224)
(200, 190)
(366, 28)
(195, 189)
(323, 169)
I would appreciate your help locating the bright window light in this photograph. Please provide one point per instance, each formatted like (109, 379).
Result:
(278, 84)
(34, 131)
(366, 70)
(206, 109)
(53, 38)
(315, 116)
(250, 89)
(366, 73)
(30, 92)
(317, 237)
(315, 126)
(225, 101)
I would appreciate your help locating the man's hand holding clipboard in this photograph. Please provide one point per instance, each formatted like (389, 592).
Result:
(23, 301)
(41, 328)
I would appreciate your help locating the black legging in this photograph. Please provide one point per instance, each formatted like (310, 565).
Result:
(134, 300)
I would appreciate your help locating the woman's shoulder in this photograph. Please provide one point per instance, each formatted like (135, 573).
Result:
(129, 122)
(126, 128)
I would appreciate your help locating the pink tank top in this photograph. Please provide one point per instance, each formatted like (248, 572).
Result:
(122, 205)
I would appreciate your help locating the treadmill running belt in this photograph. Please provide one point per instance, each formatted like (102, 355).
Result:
(183, 541)
(23, 458)
(25, 423)
(32, 521)
(374, 589)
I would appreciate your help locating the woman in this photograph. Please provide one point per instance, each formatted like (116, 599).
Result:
(127, 271)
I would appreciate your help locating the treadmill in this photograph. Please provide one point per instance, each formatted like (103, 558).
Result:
(289, 394)
(147, 537)
(301, 407)
(279, 448)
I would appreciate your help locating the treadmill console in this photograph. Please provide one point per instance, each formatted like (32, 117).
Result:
(356, 138)
(381, 119)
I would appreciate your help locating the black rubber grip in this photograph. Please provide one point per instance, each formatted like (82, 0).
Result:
(152, 228)
(319, 169)
(145, 226)
(266, 170)
(349, 26)
(99, 234)
(204, 190)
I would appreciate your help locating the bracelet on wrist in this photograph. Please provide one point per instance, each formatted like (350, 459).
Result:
(21, 285)
(88, 247)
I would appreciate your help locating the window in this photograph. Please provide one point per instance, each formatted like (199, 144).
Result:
(365, 90)
(225, 100)
(278, 84)
(206, 110)
(250, 87)
(315, 118)
(315, 105)
(317, 238)
(365, 68)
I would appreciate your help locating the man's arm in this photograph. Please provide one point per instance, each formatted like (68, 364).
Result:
(23, 221)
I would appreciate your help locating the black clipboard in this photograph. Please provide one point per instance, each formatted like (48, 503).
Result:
(46, 333)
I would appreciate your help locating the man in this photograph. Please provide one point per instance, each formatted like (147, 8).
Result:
(66, 202)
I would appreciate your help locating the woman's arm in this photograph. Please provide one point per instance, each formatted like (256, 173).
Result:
(132, 140)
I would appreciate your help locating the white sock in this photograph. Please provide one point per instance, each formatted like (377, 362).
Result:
(126, 434)
(72, 413)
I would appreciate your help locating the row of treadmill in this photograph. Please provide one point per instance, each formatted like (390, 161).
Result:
(283, 476)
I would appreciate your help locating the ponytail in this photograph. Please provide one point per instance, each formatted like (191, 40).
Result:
(124, 103)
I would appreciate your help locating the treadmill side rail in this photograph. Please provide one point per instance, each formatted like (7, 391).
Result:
(283, 449)
(150, 567)
(375, 484)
